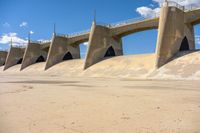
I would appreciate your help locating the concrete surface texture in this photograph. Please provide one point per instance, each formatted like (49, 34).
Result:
(101, 45)
(64, 48)
(34, 54)
(3, 55)
(176, 32)
(184, 66)
(103, 38)
(15, 56)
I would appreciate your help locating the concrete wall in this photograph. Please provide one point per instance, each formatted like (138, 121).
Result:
(32, 53)
(3, 55)
(58, 48)
(14, 55)
(99, 41)
(172, 31)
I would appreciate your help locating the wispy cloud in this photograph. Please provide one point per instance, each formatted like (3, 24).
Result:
(148, 12)
(17, 41)
(23, 24)
(31, 32)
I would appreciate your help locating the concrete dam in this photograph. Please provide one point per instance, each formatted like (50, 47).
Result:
(175, 56)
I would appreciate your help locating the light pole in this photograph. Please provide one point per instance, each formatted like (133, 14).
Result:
(11, 42)
(94, 17)
(54, 29)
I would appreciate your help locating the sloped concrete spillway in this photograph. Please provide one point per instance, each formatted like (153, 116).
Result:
(185, 65)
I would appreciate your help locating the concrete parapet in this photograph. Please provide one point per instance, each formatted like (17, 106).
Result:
(33, 54)
(14, 57)
(61, 49)
(3, 55)
(101, 45)
(174, 35)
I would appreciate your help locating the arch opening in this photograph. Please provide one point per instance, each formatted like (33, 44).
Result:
(110, 52)
(40, 59)
(68, 56)
(20, 61)
(184, 45)
(143, 42)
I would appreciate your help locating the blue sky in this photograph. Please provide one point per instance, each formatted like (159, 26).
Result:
(38, 16)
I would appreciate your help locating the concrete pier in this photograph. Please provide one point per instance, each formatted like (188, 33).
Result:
(15, 56)
(3, 55)
(175, 33)
(34, 53)
(106, 41)
(64, 48)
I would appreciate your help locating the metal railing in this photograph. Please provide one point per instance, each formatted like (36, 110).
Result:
(126, 22)
(19, 46)
(79, 33)
(61, 35)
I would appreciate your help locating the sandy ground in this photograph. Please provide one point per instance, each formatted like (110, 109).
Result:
(50, 104)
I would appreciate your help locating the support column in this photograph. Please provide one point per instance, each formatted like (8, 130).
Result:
(173, 35)
(15, 56)
(33, 54)
(61, 50)
(3, 55)
(101, 44)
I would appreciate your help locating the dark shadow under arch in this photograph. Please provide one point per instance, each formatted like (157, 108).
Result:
(40, 59)
(20, 61)
(184, 45)
(68, 56)
(110, 52)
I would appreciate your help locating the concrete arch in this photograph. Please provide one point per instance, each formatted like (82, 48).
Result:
(15, 56)
(40, 59)
(58, 48)
(101, 37)
(33, 54)
(20, 61)
(67, 56)
(174, 34)
(110, 52)
(99, 42)
(184, 44)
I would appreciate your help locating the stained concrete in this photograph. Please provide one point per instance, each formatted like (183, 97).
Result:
(33, 54)
(3, 55)
(99, 42)
(63, 48)
(104, 37)
(15, 56)
(173, 29)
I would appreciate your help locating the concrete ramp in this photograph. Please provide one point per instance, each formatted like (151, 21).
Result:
(33, 54)
(3, 55)
(15, 56)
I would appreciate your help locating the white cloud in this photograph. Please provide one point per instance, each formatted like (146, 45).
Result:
(186, 3)
(148, 12)
(31, 32)
(85, 43)
(6, 24)
(23, 24)
(17, 41)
